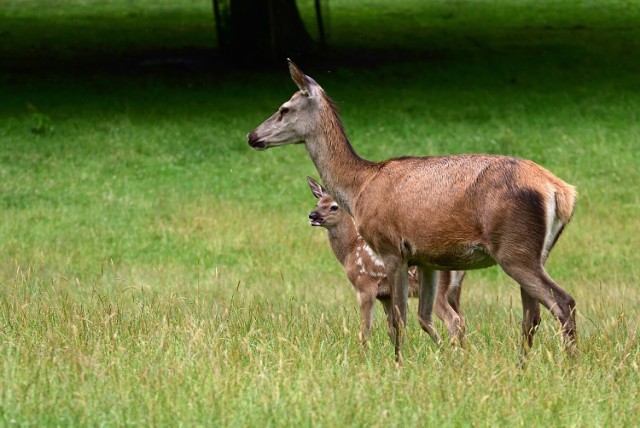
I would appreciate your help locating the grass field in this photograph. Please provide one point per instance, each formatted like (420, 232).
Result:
(154, 270)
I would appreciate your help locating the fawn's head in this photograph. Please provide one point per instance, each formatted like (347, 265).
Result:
(327, 213)
(296, 119)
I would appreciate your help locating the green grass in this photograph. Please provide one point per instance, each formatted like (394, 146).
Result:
(155, 270)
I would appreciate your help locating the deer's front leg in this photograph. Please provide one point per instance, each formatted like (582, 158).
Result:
(388, 312)
(428, 288)
(398, 277)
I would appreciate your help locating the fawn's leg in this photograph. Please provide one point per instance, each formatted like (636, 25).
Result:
(455, 291)
(444, 309)
(428, 290)
(367, 306)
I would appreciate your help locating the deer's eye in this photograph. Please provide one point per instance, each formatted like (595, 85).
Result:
(284, 111)
(334, 208)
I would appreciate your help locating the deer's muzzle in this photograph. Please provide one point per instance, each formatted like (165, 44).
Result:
(255, 142)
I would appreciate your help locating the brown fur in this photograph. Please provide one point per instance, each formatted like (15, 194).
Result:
(369, 279)
(439, 213)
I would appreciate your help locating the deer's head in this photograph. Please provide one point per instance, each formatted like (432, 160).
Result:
(327, 213)
(295, 119)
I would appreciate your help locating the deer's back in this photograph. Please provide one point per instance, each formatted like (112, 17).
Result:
(439, 209)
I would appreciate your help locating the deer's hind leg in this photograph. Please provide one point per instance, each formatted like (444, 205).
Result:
(522, 249)
(520, 242)
(537, 286)
(530, 319)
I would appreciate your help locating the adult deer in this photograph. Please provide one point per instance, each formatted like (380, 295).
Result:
(457, 212)
(367, 274)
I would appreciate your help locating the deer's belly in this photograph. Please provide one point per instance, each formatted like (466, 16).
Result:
(461, 258)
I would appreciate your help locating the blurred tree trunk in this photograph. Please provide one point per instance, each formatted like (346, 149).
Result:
(263, 30)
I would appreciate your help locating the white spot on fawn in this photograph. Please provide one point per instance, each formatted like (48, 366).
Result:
(369, 251)
(374, 257)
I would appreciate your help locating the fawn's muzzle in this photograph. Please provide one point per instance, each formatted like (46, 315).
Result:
(315, 219)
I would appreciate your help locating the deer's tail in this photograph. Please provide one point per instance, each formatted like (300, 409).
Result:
(566, 196)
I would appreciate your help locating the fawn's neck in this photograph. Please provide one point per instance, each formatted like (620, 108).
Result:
(343, 238)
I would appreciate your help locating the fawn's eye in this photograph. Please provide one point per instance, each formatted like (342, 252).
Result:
(334, 208)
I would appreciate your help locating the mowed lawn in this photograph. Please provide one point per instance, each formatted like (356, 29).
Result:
(155, 270)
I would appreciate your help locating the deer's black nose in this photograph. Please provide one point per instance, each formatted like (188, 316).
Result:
(254, 142)
(313, 215)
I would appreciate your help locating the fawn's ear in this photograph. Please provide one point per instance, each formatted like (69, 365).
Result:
(299, 78)
(317, 190)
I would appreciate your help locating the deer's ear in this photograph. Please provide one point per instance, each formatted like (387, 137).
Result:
(316, 189)
(299, 78)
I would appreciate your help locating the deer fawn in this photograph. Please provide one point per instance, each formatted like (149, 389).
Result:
(458, 212)
(366, 271)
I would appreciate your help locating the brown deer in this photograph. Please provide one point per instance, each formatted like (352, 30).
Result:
(366, 271)
(457, 212)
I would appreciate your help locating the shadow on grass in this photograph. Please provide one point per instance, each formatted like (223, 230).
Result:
(92, 58)
(136, 39)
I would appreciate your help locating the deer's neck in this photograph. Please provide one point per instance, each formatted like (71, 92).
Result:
(343, 172)
(343, 238)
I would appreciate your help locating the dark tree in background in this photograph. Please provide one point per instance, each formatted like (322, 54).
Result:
(261, 30)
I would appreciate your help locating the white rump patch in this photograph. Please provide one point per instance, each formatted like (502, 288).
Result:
(554, 224)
